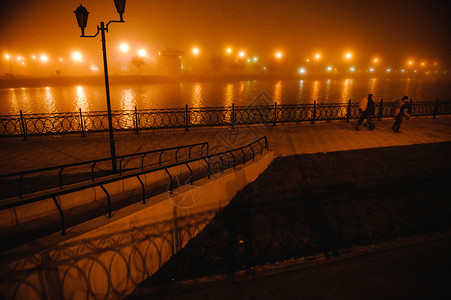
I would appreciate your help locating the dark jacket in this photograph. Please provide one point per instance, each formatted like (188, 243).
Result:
(370, 108)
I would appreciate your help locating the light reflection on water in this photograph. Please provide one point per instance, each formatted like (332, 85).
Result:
(327, 90)
(372, 89)
(347, 86)
(301, 89)
(215, 93)
(14, 101)
(128, 99)
(196, 98)
(278, 92)
(315, 91)
(49, 100)
(81, 99)
(228, 97)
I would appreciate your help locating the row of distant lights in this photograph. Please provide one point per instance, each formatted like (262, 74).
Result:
(353, 69)
(44, 58)
(317, 56)
(124, 48)
(241, 54)
(76, 56)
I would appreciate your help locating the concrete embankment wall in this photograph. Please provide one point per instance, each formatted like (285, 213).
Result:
(108, 262)
(25, 215)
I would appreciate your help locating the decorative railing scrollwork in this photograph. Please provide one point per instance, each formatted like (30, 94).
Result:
(81, 122)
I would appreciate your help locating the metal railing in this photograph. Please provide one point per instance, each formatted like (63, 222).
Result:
(136, 120)
(55, 192)
(92, 164)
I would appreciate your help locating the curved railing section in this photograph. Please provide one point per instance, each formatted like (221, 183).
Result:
(224, 160)
(90, 166)
(136, 120)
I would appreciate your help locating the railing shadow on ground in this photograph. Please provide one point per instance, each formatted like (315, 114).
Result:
(108, 262)
(108, 266)
(137, 120)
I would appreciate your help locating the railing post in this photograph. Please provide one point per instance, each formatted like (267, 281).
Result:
(348, 111)
(22, 125)
(58, 206)
(136, 121)
(379, 117)
(436, 108)
(233, 115)
(186, 117)
(81, 124)
(275, 113)
(314, 112)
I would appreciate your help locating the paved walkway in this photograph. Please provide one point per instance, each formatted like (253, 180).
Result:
(44, 151)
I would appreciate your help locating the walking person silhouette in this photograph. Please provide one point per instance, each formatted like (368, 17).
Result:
(366, 109)
(400, 108)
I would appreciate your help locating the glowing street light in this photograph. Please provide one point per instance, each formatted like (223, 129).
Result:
(76, 56)
(352, 69)
(195, 51)
(242, 54)
(375, 60)
(317, 56)
(44, 58)
(142, 53)
(302, 71)
(81, 13)
(229, 50)
(388, 70)
(329, 69)
(348, 55)
(279, 55)
(371, 70)
(255, 59)
(124, 47)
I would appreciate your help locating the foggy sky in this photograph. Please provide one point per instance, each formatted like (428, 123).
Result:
(393, 29)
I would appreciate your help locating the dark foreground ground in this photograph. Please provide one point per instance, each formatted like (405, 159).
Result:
(324, 204)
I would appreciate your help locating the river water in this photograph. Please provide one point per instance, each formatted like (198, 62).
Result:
(48, 99)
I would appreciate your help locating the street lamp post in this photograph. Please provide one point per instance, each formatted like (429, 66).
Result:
(81, 13)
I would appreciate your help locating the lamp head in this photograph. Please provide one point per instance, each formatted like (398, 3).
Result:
(82, 18)
(120, 8)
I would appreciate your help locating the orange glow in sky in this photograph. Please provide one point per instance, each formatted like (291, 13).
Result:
(259, 26)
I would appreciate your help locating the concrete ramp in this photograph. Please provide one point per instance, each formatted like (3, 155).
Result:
(107, 258)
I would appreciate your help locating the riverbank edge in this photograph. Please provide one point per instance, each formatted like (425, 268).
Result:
(19, 81)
